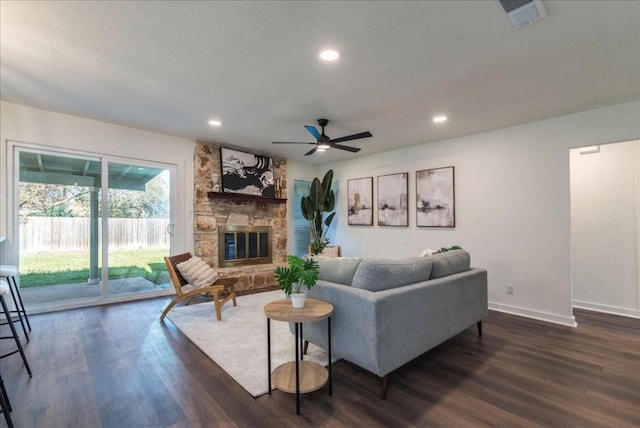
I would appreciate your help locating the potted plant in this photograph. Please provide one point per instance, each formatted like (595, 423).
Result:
(301, 272)
(315, 207)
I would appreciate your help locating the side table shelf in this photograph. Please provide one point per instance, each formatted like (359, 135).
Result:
(299, 376)
(312, 377)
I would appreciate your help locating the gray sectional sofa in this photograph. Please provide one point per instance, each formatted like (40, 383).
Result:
(390, 311)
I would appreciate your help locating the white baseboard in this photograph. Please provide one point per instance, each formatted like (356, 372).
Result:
(536, 315)
(607, 309)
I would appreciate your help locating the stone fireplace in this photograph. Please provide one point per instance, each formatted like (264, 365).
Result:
(213, 217)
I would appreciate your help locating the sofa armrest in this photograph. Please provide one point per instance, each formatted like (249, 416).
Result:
(352, 324)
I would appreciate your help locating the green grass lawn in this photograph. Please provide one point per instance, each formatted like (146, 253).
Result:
(73, 267)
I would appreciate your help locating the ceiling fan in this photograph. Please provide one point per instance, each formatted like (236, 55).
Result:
(323, 142)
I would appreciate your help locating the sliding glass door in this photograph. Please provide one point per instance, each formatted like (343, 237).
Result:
(56, 197)
(79, 213)
(138, 207)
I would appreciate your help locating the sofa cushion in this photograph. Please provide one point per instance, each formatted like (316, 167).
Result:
(339, 270)
(449, 263)
(382, 274)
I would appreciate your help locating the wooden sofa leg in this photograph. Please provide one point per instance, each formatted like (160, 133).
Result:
(479, 325)
(384, 385)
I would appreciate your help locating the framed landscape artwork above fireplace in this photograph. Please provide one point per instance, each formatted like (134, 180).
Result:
(247, 173)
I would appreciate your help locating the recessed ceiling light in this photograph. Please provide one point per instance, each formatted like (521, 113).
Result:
(329, 55)
(439, 119)
(214, 122)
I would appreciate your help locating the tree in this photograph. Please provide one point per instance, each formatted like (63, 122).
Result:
(57, 200)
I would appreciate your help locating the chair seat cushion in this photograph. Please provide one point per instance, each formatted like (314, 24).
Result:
(4, 287)
(8, 270)
(197, 272)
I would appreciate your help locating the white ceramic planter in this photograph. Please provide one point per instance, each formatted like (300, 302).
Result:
(297, 299)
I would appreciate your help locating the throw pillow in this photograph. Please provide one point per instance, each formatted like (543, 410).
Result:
(197, 272)
(428, 252)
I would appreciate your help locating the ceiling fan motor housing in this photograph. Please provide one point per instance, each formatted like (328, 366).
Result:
(324, 138)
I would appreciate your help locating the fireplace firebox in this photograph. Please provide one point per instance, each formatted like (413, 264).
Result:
(244, 245)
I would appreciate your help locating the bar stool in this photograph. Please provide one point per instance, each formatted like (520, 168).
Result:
(9, 273)
(4, 291)
(5, 405)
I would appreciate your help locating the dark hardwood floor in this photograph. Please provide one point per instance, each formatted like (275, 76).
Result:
(118, 366)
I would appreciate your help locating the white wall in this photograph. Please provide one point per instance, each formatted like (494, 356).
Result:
(604, 228)
(512, 204)
(34, 126)
(512, 192)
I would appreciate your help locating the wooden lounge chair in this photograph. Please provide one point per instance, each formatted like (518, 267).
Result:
(222, 290)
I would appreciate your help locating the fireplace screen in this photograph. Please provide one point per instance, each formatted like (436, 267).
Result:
(244, 245)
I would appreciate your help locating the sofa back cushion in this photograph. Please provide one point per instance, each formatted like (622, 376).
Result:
(382, 274)
(338, 270)
(449, 263)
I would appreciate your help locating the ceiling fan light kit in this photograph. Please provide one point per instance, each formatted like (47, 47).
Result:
(324, 143)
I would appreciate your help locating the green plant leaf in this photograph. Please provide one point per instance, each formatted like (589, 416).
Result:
(327, 179)
(329, 219)
(300, 272)
(307, 208)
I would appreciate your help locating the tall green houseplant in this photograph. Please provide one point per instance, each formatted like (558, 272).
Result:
(317, 208)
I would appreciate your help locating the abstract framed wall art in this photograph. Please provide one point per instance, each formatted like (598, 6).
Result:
(360, 201)
(435, 197)
(392, 199)
(247, 173)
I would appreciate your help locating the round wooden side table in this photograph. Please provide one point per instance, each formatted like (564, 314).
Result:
(299, 376)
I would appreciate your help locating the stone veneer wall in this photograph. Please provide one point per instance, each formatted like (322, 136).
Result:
(208, 214)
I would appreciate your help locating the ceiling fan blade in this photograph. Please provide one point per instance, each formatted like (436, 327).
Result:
(289, 142)
(347, 148)
(353, 137)
(313, 131)
(312, 151)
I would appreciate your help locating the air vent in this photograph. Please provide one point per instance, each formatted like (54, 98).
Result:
(517, 13)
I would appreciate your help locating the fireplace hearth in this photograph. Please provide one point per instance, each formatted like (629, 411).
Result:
(244, 245)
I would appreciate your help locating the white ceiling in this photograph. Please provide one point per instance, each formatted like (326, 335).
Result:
(171, 66)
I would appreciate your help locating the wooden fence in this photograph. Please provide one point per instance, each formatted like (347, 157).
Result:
(40, 234)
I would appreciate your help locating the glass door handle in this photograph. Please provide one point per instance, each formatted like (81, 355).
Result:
(170, 229)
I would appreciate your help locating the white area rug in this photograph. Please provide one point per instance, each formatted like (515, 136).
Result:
(238, 343)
